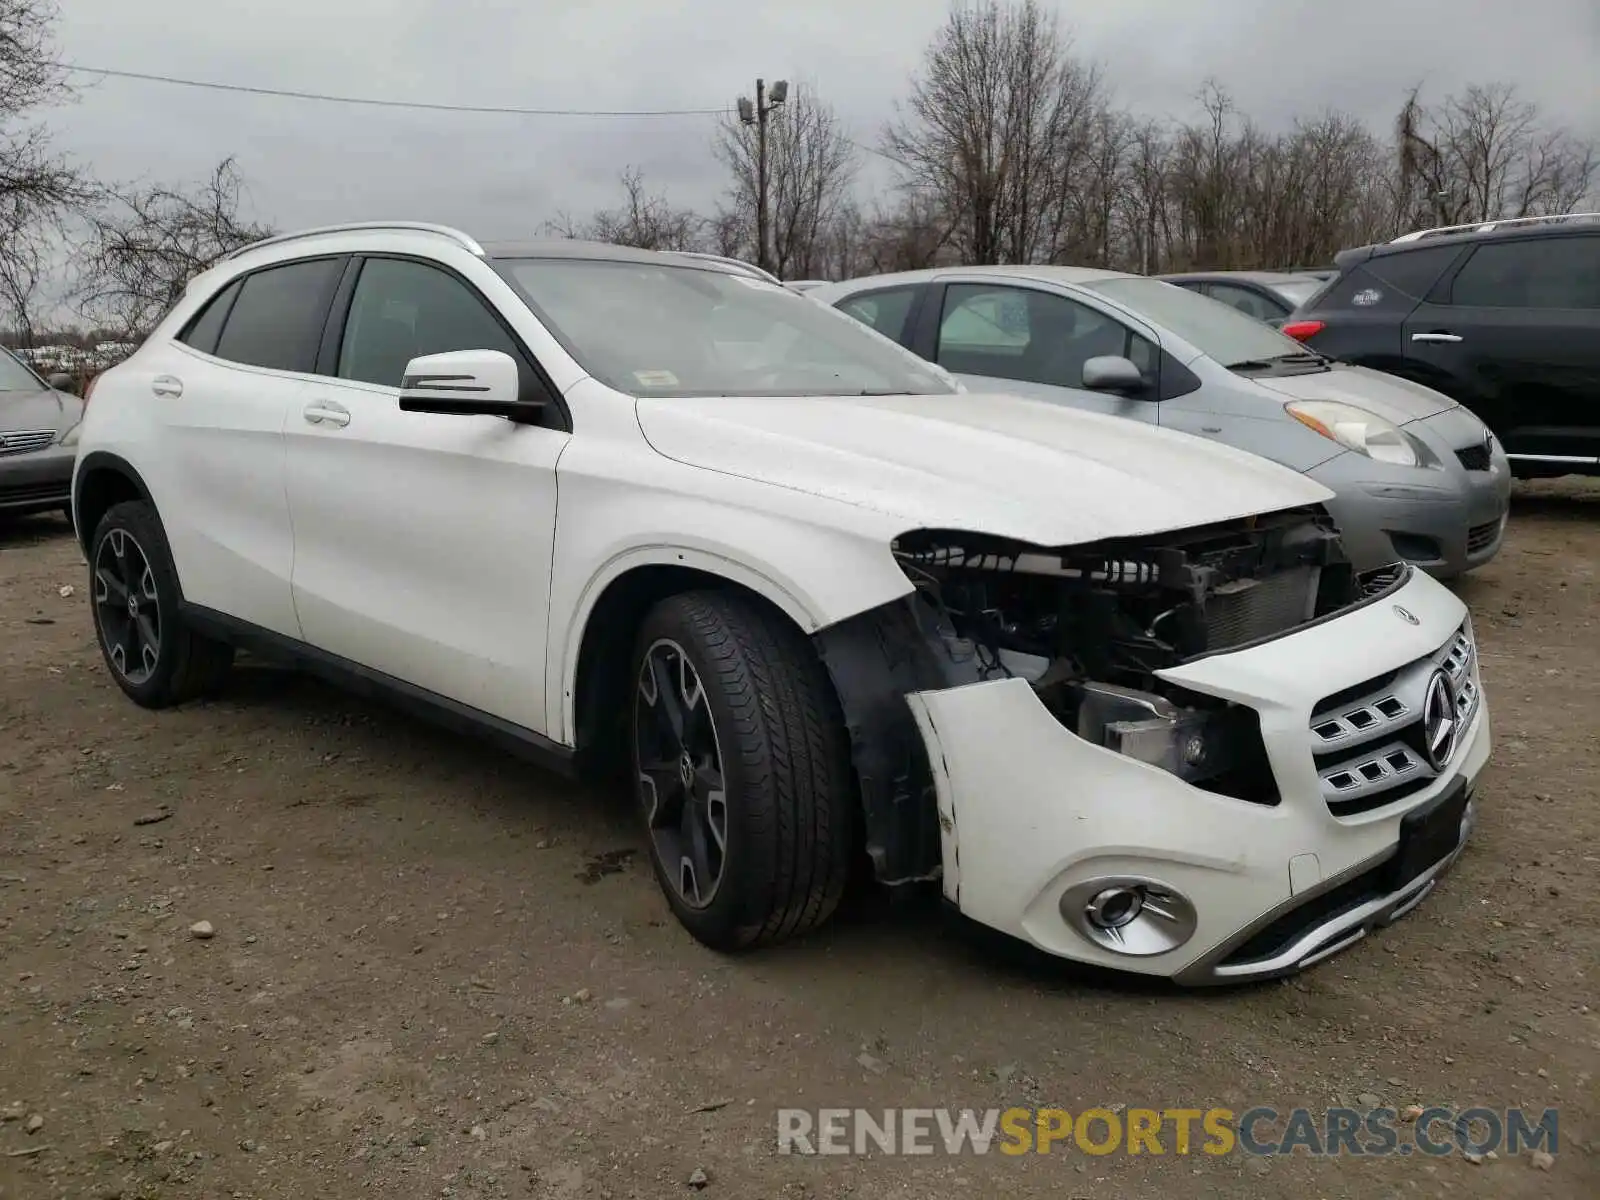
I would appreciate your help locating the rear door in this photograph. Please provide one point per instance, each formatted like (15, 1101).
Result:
(1360, 317)
(221, 393)
(1519, 326)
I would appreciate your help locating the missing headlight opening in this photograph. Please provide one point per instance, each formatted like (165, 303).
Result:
(1087, 627)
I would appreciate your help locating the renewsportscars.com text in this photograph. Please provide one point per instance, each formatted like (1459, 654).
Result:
(1181, 1131)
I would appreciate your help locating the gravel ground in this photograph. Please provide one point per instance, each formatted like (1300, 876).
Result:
(433, 971)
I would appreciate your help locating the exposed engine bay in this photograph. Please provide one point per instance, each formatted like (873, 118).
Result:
(1088, 627)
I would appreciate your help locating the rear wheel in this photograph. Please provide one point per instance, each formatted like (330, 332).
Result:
(742, 770)
(153, 656)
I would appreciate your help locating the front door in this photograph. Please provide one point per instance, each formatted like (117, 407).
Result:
(423, 540)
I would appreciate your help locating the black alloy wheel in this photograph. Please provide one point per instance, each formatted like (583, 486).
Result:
(154, 656)
(679, 762)
(127, 609)
(741, 766)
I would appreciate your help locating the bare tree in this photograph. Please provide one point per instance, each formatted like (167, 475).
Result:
(146, 243)
(644, 219)
(811, 166)
(994, 117)
(38, 188)
(1485, 154)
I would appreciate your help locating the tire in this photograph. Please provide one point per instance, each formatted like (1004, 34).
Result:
(787, 790)
(129, 557)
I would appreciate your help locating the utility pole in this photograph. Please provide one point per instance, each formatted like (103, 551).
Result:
(756, 114)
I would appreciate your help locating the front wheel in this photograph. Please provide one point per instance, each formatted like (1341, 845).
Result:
(742, 770)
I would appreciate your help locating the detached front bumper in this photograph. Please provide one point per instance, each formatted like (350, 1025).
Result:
(1036, 822)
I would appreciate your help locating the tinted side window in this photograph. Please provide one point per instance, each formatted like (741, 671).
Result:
(886, 311)
(1250, 303)
(1412, 271)
(277, 319)
(1018, 333)
(402, 310)
(1547, 273)
(202, 330)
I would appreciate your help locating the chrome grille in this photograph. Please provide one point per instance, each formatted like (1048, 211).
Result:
(1368, 742)
(20, 441)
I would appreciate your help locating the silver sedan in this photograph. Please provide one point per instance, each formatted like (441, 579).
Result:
(1416, 476)
(38, 439)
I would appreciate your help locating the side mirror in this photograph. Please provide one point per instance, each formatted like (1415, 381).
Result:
(1112, 373)
(481, 382)
(62, 382)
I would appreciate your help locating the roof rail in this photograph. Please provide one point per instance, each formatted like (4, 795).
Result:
(1486, 226)
(728, 260)
(455, 235)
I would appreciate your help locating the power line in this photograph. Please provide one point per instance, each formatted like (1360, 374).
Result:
(376, 102)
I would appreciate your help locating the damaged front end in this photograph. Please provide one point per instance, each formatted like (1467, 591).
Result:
(1088, 628)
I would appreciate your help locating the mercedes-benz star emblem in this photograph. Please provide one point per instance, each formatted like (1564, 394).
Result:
(1439, 720)
(1406, 615)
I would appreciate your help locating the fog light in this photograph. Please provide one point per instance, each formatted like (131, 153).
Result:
(1130, 915)
(1115, 907)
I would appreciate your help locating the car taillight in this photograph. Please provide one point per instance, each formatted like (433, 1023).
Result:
(1302, 331)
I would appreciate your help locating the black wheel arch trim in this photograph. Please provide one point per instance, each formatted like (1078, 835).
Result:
(874, 660)
(103, 460)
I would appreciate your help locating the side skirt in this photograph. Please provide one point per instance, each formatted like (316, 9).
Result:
(364, 681)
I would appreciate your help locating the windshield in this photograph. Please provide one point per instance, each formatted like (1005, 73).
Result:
(14, 377)
(1214, 328)
(659, 329)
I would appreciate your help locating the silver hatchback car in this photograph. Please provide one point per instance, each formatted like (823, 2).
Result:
(1416, 476)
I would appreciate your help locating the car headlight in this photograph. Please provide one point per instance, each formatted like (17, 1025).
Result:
(1357, 429)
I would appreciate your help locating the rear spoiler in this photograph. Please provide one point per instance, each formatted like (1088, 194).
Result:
(1346, 259)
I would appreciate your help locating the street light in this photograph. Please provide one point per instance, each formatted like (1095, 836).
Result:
(756, 114)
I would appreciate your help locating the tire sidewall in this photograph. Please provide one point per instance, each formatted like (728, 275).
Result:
(738, 910)
(140, 522)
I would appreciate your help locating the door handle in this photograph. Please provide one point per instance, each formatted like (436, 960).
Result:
(326, 412)
(1436, 336)
(169, 386)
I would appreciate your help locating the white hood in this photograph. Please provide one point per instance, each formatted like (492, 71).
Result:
(1002, 465)
(1389, 396)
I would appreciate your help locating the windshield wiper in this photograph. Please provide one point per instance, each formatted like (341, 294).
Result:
(1266, 364)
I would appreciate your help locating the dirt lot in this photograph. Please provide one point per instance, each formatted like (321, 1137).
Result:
(436, 972)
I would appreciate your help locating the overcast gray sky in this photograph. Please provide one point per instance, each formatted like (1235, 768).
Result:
(309, 163)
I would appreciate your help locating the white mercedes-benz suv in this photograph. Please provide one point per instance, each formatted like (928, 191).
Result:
(1116, 689)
